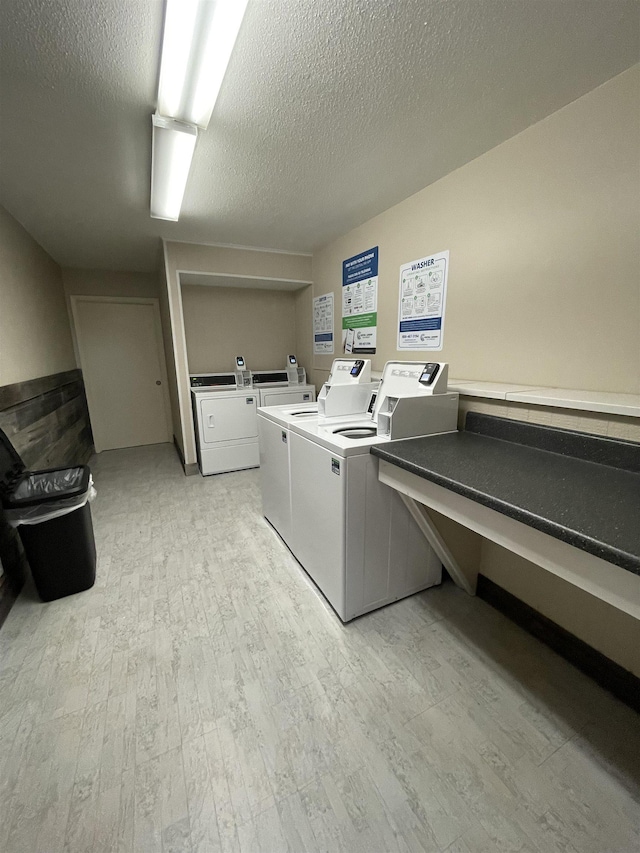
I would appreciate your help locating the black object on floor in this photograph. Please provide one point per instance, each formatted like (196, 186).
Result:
(58, 537)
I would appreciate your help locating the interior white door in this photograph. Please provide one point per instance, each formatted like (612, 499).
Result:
(122, 360)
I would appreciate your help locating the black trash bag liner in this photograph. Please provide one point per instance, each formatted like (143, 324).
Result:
(44, 486)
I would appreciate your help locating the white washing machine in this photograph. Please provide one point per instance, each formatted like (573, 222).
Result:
(275, 482)
(226, 423)
(273, 431)
(352, 534)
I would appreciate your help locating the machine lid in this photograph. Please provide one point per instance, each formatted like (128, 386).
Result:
(212, 380)
(356, 431)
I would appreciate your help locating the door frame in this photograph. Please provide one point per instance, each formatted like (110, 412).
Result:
(157, 325)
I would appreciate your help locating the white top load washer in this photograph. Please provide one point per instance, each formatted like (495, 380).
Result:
(273, 429)
(275, 481)
(226, 423)
(353, 535)
(347, 389)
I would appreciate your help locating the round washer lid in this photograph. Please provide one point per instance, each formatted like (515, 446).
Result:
(356, 431)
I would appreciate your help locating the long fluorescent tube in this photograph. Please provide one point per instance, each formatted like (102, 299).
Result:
(172, 150)
(199, 36)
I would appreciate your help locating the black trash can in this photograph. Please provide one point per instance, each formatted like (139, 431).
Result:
(52, 513)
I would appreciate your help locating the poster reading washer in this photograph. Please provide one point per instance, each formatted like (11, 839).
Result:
(360, 302)
(423, 295)
(323, 324)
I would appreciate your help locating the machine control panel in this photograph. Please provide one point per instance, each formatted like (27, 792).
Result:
(349, 371)
(270, 377)
(429, 373)
(243, 375)
(296, 375)
(212, 380)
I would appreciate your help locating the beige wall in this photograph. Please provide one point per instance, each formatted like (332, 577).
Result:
(35, 335)
(596, 423)
(167, 337)
(610, 631)
(231, 260)
(222, 322)
(304, 338)
(545, 255)
(219, 260)
(109, 283)
(544, 282)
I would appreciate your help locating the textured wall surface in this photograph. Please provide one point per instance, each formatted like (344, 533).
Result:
(35, 335)
(544, 276)
(221, 323)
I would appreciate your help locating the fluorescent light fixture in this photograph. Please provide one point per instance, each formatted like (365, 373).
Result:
(199, 36)
(172, 150)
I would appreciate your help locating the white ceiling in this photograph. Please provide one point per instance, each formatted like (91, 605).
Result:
(331, 111)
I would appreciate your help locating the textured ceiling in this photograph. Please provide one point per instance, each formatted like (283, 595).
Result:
(331, 111)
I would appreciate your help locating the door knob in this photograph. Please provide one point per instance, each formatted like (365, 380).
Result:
(158, 382)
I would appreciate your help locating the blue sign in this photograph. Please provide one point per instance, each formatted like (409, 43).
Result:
(422, 325)
(359, 267)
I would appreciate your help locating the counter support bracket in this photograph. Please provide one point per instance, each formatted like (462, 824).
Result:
(433, 537)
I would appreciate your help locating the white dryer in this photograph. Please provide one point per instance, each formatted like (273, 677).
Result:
(353, 535)
(226, 423)
(275, 388)
(279, 396)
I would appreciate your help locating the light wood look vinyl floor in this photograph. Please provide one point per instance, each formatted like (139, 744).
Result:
(203, 697)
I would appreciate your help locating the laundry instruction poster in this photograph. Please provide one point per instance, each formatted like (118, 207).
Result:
(323, 324)
(360, 302)
(423, 296)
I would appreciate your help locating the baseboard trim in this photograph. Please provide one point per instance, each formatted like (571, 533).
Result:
(189, 470)
(607, 673)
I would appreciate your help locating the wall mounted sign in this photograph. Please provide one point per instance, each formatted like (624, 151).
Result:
(323, 324)
(360, 302)
(423, 295)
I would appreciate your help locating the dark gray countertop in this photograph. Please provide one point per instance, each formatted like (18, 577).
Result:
(511, 468)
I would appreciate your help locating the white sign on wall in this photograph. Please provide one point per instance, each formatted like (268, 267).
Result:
(421, 303)
(323, 324)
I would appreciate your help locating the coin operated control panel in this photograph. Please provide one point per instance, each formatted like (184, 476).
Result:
(243, 376)
(348, 389)
(413, 400)
(296, 375)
